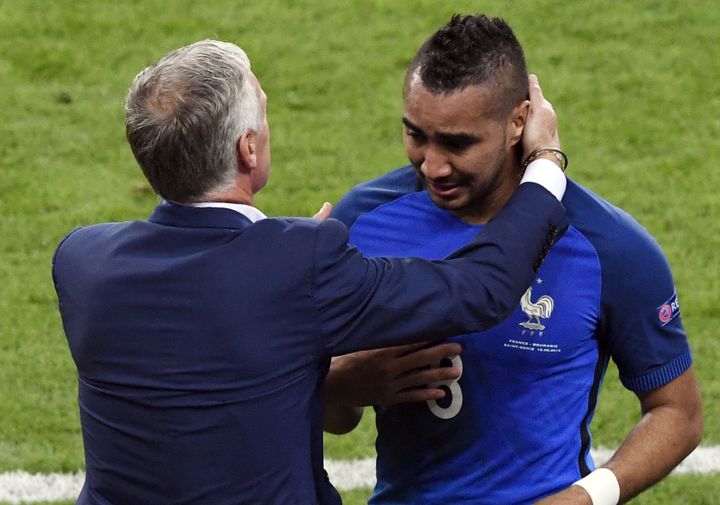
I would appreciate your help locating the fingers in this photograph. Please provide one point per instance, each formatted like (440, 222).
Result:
(422, 378)
(536, 94)
(541, 125)
(428, 356)
(412, 384)
(404, 350)
(419, 395)
(324, 212)
(393, 375)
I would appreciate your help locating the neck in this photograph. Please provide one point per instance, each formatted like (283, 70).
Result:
(238, 193)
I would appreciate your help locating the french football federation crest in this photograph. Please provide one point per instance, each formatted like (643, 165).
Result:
(540, 309)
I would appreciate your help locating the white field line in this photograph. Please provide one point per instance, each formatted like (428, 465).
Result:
(23, 487)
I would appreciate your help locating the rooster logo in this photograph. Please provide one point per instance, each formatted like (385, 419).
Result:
(542, 308)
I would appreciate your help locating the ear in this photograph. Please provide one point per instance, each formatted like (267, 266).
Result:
(516, 122)
(246, 154)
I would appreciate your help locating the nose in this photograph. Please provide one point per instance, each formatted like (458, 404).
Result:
(435, 165)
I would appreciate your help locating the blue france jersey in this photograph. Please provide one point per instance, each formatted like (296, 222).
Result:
(515, 426)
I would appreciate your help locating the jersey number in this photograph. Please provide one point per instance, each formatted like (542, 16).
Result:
(453, 393)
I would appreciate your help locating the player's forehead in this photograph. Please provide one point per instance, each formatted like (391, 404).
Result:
(470, 109)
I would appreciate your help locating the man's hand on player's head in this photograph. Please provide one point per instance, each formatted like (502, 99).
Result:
(541, 125)
(392, 375)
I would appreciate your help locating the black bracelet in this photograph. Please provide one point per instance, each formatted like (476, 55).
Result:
(539, 151)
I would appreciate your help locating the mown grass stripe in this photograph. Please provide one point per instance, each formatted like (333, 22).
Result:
(23, 487)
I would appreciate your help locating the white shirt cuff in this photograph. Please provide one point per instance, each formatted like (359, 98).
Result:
(548, 175)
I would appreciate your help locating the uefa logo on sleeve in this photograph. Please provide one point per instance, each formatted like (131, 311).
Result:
(669, 310)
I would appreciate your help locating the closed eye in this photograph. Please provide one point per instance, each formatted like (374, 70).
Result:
(412, 131)
(457, 143)
(415, 135)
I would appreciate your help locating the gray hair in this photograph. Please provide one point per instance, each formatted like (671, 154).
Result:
(184, 115)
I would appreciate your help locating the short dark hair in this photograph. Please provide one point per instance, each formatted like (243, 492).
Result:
(475, 50)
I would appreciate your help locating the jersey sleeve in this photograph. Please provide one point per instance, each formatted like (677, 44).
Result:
(641, 324)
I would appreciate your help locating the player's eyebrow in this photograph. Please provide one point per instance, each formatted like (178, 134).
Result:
(457, 138)
(445, 138)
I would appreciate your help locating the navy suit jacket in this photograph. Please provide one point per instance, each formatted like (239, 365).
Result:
(202, 340)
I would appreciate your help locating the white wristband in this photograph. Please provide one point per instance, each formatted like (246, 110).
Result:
(602, 486)
(548, 175)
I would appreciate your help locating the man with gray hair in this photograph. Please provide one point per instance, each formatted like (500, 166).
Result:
(202, 336)
(204, 97)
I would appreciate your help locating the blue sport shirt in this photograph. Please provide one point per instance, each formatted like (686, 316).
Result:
(515, 426)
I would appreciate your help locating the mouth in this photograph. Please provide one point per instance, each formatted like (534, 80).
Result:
(446, 191)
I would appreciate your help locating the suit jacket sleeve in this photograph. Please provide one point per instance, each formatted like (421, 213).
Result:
(365, 303)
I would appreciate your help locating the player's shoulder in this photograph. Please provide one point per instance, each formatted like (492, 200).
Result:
(609, 228)
(626, 250)
(371, 194)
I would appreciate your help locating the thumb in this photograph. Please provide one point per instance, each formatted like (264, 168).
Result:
(324, 212)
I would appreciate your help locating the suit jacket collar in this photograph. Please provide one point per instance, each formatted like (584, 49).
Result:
(173, 214)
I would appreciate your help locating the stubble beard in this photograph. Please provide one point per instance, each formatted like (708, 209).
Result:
(479, 203)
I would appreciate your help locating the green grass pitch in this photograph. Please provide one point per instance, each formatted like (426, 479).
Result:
(635, 85)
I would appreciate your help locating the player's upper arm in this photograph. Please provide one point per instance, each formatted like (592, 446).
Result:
(641, 313)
